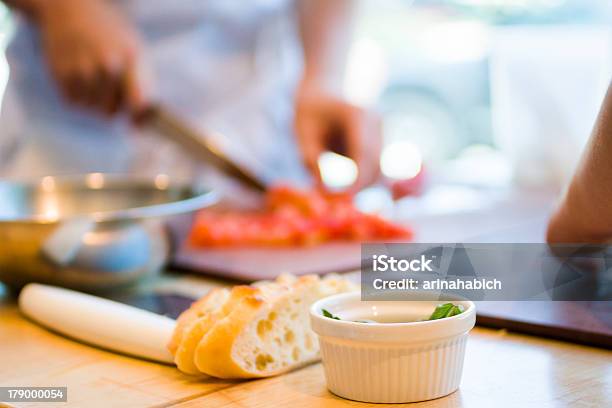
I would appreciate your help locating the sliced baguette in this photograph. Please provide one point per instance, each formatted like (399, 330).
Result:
(196, 329)
(252, 331)
(195, 322)
(267, 333)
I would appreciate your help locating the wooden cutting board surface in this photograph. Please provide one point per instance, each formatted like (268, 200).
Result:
(501, 369)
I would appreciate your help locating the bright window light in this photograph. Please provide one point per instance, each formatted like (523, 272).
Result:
(366, 72)
(401, 160)
(337, 171)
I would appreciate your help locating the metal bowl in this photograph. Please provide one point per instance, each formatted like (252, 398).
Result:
(89, 232)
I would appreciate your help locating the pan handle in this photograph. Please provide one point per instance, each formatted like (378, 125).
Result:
(65, 241)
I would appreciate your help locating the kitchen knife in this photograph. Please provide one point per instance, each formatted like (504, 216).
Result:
(101, 322)
(196, 144)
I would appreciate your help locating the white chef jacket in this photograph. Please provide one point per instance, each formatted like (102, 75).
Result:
(228, 66)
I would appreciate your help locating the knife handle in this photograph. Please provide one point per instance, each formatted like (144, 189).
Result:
(101, 322)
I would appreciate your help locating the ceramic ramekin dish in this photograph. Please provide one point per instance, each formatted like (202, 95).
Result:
(391, 362)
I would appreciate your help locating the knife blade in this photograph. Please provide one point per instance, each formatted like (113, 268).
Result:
(197, 145)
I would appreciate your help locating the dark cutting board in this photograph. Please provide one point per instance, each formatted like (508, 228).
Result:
(579, 322)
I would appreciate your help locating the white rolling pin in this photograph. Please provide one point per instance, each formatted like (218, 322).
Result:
(99, 321)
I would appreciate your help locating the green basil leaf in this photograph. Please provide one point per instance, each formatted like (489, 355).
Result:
(326, 313)
(455, 310)
(441, 311)
(446, 310)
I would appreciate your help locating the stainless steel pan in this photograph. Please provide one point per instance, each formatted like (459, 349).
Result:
(89, 232)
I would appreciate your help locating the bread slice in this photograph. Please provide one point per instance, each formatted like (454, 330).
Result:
(266, 334)
(333, 283)
(253, 331)
(209, 303)
(194, 323)
(193, 333)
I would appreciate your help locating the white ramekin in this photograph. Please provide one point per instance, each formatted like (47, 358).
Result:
(390, 362)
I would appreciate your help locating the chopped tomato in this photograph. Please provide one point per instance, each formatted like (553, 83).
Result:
(294, 217)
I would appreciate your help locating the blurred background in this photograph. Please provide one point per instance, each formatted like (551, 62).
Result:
(510, 86)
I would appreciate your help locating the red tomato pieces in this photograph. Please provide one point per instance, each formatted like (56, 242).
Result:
(294, 217)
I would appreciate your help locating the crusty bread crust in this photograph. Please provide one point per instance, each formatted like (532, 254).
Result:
(215, 352)
(184, 355)
(207, 304)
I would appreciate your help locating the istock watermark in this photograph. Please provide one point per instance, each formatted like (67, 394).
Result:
(383, 263)
(486, 271)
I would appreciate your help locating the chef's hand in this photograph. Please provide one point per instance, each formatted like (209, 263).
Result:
(324, 122)
(93, 54)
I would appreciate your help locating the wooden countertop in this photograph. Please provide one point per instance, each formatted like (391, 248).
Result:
(501, 369)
